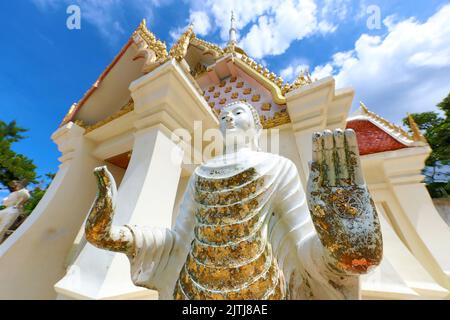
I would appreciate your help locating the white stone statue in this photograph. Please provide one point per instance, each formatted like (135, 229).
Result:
(14, 205)
(244, 229)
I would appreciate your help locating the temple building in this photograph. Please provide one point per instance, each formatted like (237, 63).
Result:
(127, 121)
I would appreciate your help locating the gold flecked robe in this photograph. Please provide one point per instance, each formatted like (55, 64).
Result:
(243, 232)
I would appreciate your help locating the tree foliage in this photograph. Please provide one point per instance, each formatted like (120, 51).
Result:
(13, 166)
(436, 129)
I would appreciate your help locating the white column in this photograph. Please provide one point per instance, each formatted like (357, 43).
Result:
(32, 258)
(146, 197)
(164, 101)
(316, 107)
(424, 231)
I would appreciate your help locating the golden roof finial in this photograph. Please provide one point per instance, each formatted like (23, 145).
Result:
(363, 107)
(179, 49)
(150, 39)
(302, 79)
(416, 134)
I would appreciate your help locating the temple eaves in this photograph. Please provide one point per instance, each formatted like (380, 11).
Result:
(146, 41)
(416, 139)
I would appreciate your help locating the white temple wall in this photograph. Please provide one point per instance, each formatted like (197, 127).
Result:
(398, 193)
(164, 101)
(32, 259)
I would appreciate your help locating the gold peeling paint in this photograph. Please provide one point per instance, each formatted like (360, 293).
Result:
(230, 257)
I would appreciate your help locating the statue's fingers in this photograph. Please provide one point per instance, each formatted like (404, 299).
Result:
(317, 158)
(354, 163)
(317, 147)
(328, 155)
(341, 167)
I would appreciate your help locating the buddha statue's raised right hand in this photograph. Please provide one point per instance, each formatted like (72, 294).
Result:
(343, 212)
(99, 229)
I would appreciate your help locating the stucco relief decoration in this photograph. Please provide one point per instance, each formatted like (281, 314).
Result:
(271, 114)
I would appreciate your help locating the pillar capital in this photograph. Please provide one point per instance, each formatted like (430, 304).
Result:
(68, 138)
(316, 107)
(169, 96)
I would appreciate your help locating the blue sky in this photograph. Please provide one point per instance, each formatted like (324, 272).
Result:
(403, 66)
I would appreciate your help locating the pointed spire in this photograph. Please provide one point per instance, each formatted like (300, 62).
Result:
(232, 33)
(417, 135)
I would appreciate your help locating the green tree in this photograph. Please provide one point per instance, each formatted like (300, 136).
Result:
(13, 166)
(436, 129)
(37, 193)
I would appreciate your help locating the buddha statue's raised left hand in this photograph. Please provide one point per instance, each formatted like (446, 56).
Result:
(341, 207)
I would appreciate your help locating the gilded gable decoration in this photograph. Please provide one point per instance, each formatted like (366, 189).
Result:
(149, 48)
(179, 49)
(256, 97)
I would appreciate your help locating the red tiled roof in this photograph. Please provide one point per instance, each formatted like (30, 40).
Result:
(372, 139)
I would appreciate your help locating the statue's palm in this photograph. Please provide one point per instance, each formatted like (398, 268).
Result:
(341, 207)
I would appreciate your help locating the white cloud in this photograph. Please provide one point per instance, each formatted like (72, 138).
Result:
(326, 27)
(199, 19)
(273, 34)
(201, 22)
(272, 24)
(323, 71)
(105, 15)
(293, 70)
(408, 70)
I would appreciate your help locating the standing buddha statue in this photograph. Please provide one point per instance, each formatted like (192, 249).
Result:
(247, 230)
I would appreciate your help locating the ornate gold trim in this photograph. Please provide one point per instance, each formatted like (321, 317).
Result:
(153, 43)
(179, 49)
(416, 134)
(68, 115)
(303, 78)
(279, 118)
(268, 79)
(205, 45)
(128, 107)
(266, 106)
(384, 122)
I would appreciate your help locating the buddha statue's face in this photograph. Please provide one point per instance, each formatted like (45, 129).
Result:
(237, 125)
(235, 118)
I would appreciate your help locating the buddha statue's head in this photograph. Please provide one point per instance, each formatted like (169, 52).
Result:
(240, 126)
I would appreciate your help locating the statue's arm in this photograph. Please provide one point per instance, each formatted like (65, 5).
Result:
(341, 207)
(99, 229)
